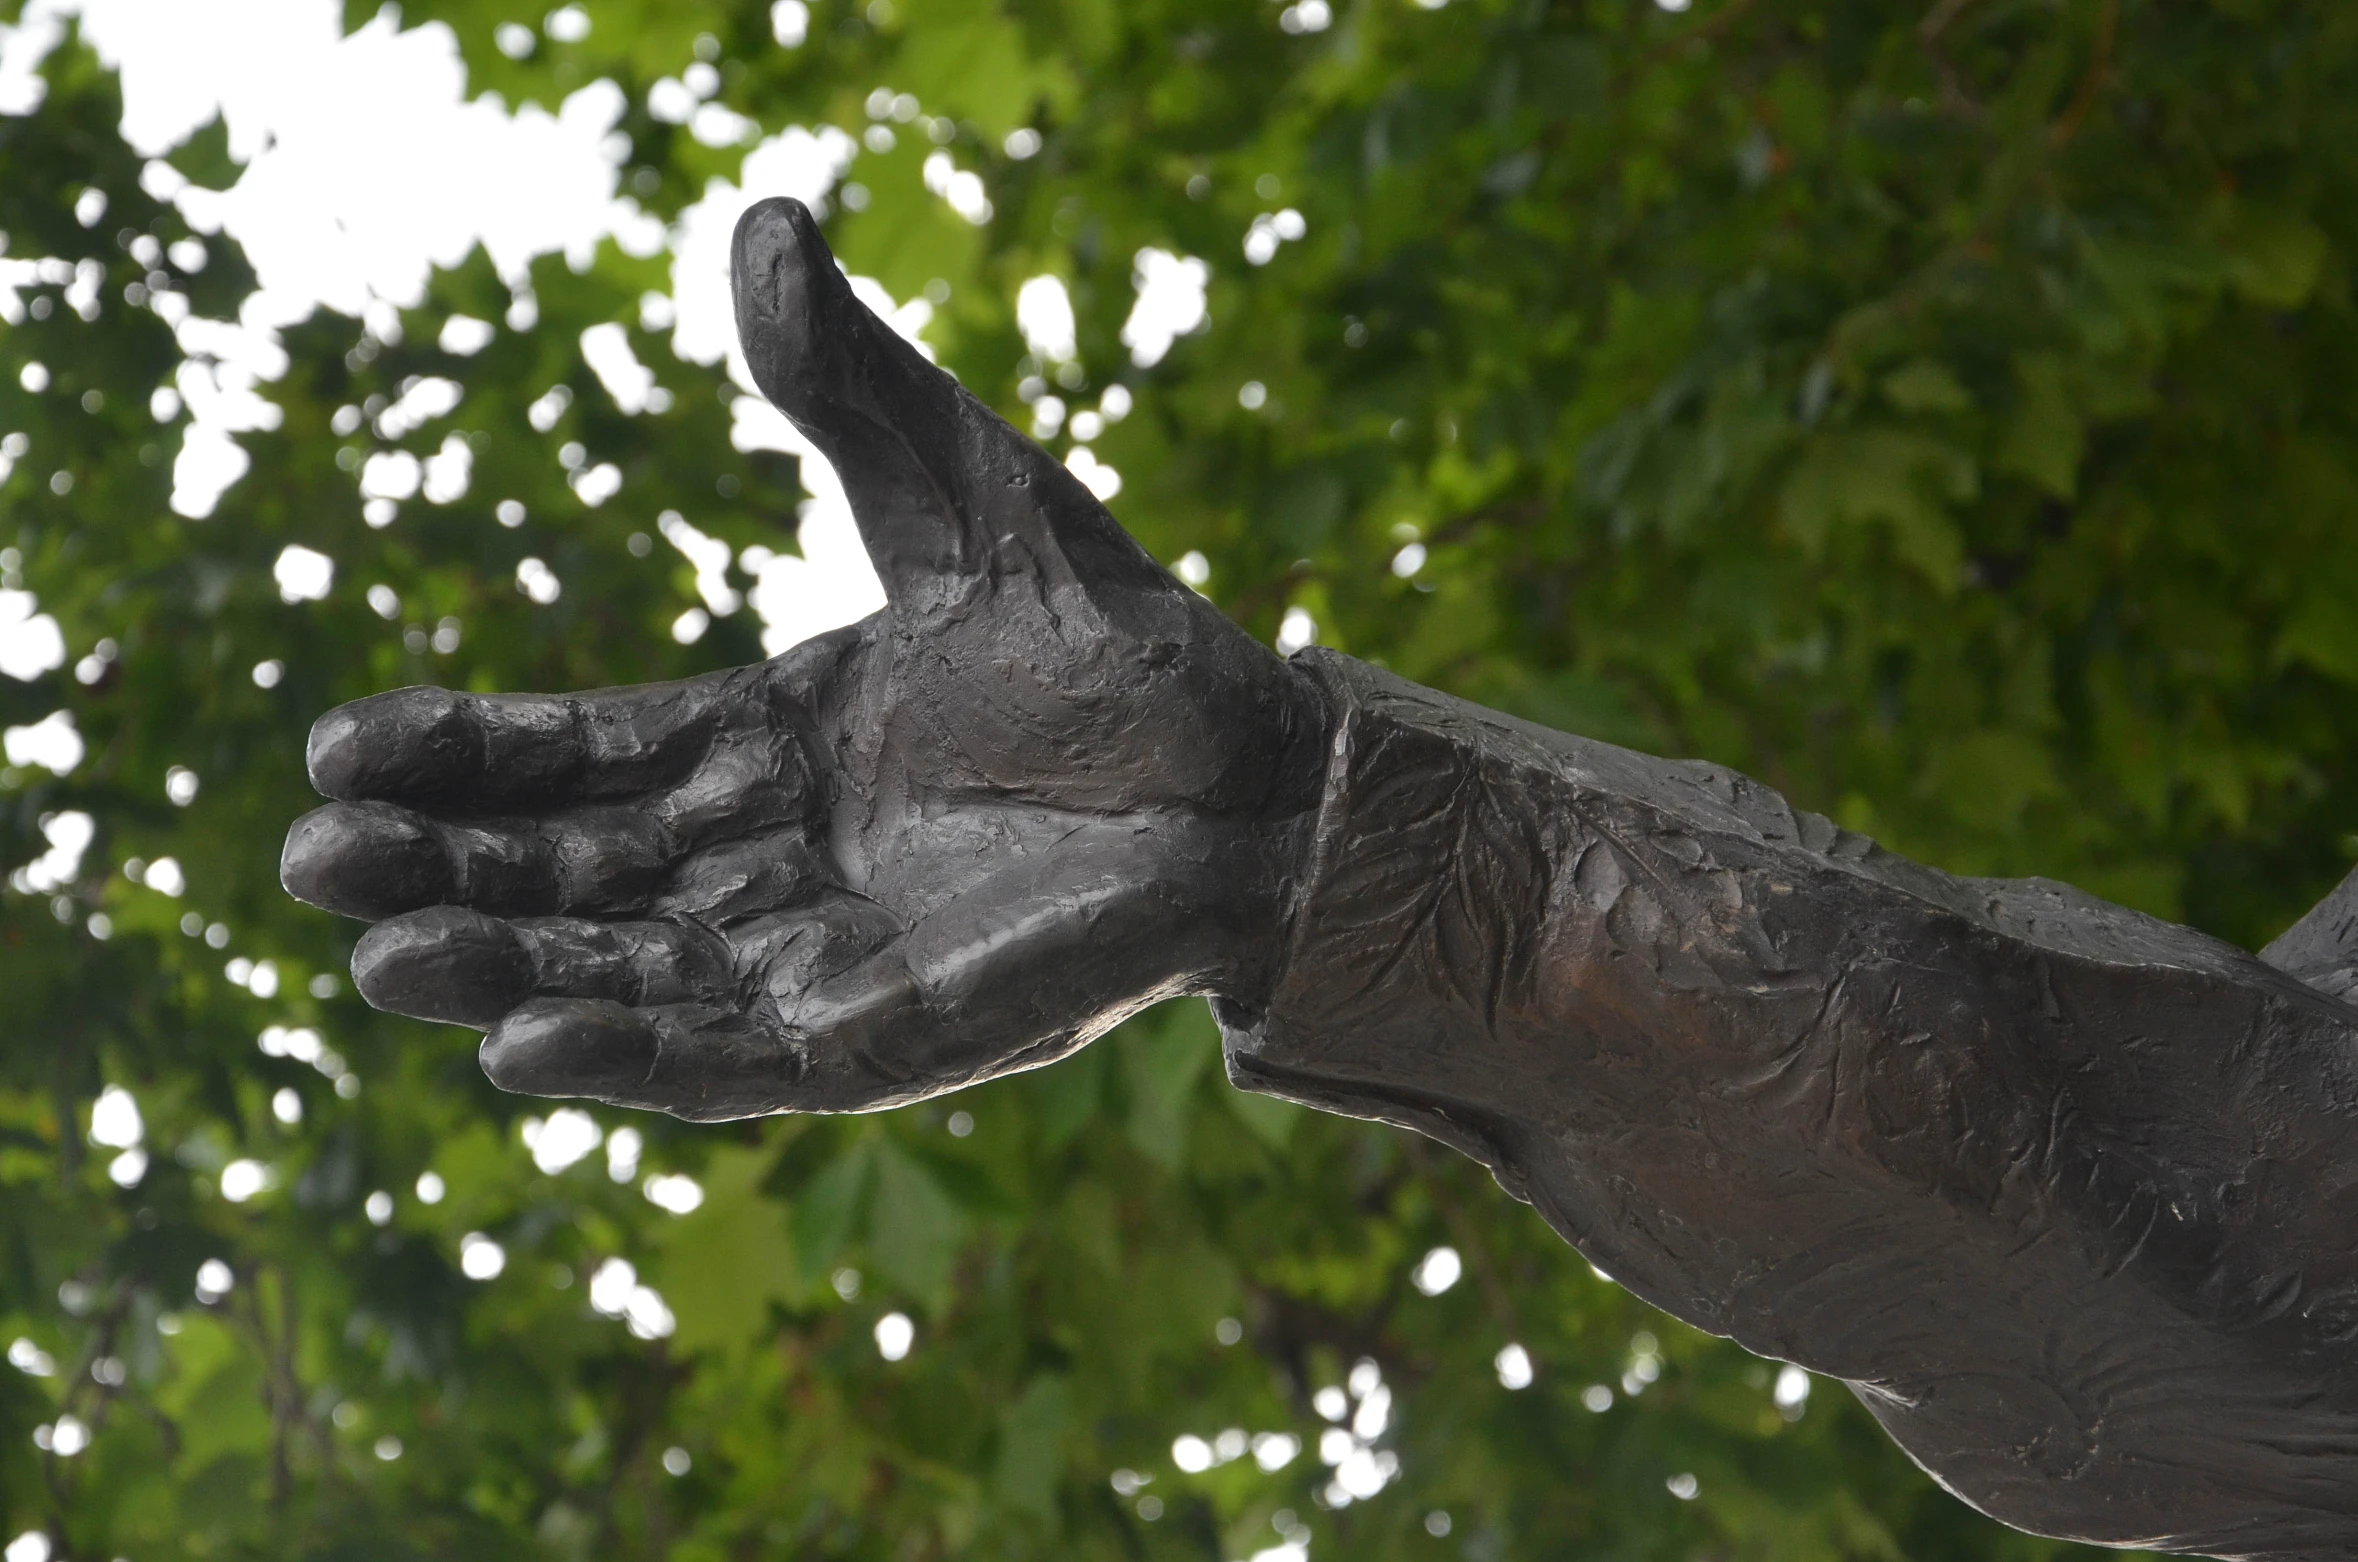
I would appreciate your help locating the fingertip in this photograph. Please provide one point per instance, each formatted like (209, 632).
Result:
(775, 255)
(445, 963)
(787, 289)
(332, 755)
(570, 1047)
(366, 860)
(394, 743)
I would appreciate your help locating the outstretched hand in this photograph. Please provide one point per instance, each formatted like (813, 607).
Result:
(1045, 786)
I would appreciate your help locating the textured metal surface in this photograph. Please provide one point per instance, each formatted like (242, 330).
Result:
(2065, 1193)
(2070, 1196)
(1046, 787)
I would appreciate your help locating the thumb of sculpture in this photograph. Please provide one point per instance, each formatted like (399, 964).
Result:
(947, 495)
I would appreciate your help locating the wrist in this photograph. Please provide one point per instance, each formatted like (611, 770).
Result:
(1367, 1009)
(1266, 868)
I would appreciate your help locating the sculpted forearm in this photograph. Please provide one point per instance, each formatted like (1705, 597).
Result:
(2066, 1193)
(2057, 1186)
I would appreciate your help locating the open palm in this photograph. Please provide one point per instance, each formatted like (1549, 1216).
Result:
(1045, 786)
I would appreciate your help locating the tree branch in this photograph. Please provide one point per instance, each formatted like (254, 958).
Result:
(1708, 30)
(1930, 34)
(2108, 25)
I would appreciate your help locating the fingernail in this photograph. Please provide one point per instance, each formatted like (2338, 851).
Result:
(445, 963)
(366, 860)
(570, 1047)
(333, 754)
(774, 256)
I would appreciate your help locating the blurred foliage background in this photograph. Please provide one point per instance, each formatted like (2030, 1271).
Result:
(1936, 408)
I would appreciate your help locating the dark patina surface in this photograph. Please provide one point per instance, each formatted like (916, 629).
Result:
(2068, 1195)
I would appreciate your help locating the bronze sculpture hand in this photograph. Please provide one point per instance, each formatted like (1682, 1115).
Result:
(2063, 1192)
(1046, 786)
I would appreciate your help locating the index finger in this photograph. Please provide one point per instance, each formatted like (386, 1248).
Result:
(427, 745)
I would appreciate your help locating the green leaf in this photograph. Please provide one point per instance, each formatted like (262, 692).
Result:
(1030, 1460)
(2275, 257)
(914, 1228)
(830, 1211)
(969, 59)
(1904, 481)
(2322, 631)
(1069, 1093)
(907, 236)
(727, 1260)
(2046, 439)
(204, 157)
(214, 1392)
(1270, 1120)
(1923, 385)
(1162, 1055)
